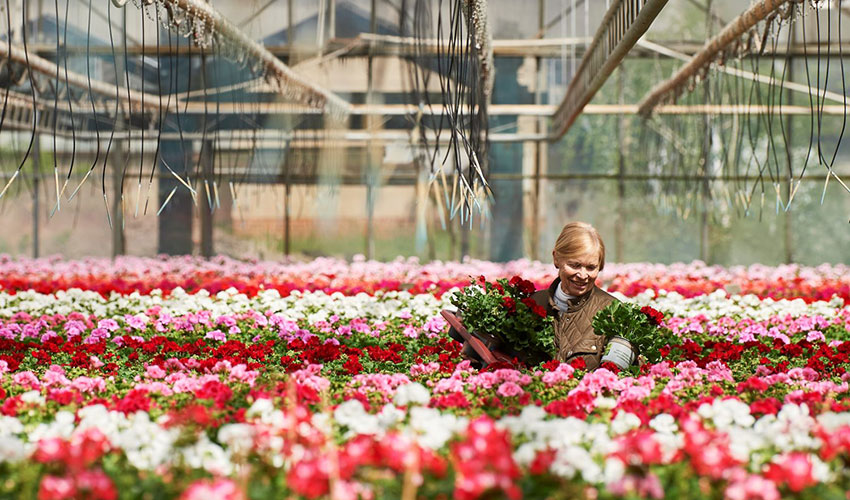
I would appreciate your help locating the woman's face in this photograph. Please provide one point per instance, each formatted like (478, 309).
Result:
(579, 272)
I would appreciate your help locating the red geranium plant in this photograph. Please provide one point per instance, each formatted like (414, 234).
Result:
(505, 310)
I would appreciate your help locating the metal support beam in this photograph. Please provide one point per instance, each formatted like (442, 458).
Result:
(624, 23)
(729, 35)
(208, 24)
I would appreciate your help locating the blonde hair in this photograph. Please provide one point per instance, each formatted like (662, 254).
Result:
(577, 238)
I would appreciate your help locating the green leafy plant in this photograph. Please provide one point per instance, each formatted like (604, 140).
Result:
(641, 326)
(504, 309)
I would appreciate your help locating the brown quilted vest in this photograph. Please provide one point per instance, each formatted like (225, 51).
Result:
(574, 336)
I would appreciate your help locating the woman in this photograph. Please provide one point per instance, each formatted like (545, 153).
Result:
(573, 298)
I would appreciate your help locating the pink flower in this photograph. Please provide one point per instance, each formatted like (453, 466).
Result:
(814, 336)
(448, 385)
(509, 390)
(154, 371)
(216, 335)
(424, 368)
(795, 468)
(560, 374)
(56, 488)
(86, 384)
(108, 324)
(95, 484)
(26, 379)
(752, 487)
(218, 489)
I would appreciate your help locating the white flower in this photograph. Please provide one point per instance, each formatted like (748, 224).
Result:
(32, 397)
(206, 455)
(432, 429)
(239, 438)
(613, 471)
(10, 425)
(13, 449)
(390, 416)
(624, 422)
(259, 408)
(664, 423)
(412, 393)
(352, 415)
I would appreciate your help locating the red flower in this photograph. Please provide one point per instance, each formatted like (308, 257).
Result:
(611, 367)
(526, 287)
(655, 317)
(453, 400)
(215, 390)
(551, 365)
(509, 304)
(352, 366)
(542, 461)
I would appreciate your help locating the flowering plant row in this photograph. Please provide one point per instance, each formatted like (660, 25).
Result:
(125, 275)
(315, 395)
(383, 306)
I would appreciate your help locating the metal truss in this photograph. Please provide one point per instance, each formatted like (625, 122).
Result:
(624, 23)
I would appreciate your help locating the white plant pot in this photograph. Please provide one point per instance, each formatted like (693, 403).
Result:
(620, 352)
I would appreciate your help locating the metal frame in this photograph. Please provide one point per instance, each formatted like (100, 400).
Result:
(624, 23)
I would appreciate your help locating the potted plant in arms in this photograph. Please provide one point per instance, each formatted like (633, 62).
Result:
(502, 322)
(632, 332)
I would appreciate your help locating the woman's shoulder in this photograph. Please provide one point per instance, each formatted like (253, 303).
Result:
(602, 297)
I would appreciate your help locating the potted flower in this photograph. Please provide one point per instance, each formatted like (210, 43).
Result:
(502, 318)
(631, 332)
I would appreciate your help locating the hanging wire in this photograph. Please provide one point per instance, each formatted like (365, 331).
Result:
(32, 92)
(96, 119)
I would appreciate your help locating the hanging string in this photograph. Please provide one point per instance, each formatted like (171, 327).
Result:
(96, 119)
(32, 92)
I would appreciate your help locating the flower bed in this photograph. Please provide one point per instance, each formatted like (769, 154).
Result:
(310, 395)
(125, 275)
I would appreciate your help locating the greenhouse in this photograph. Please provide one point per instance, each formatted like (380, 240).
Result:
(428, 249)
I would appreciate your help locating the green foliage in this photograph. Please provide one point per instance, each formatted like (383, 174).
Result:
(640, 326)
(505, 310)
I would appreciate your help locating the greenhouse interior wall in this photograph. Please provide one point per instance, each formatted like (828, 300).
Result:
(592, 174)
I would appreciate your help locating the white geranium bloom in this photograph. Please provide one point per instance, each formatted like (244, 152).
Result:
(62, 427)
(432, 429)
(352, 415)
(727, 413)
(664, 423)
(820, 471)
(412, 393)
(572, 459)
(259, 408)
(605, 403)
(13, 449)
(10, 426)
(528, 419)
(323, 422)
(526, 452)
(624, 422)
(239, 438)
(32, 397)
(613, 471)
(829, 421)
(390, 416)
(206, 455)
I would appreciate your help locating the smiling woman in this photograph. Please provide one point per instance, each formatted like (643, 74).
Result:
(573, 298)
